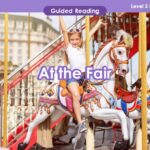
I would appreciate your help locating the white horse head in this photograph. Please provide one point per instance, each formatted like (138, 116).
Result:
(114, 54)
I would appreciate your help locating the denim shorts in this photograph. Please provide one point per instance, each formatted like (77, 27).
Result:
(79, 81)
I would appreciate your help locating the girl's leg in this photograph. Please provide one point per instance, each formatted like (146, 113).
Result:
(74, 89)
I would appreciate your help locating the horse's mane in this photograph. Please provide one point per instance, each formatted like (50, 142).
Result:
(136, 84)
(100, 49)
(120, 81)
(122, 37)
(127, 38)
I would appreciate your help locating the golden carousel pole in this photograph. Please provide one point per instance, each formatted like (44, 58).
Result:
(141, 143)
(142, 21)
(87, 41)
(139, 131)
(90, 134)
(5, 80)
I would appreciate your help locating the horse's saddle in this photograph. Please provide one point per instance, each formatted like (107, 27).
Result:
(65, 91)
(126, 96)
(65, 98)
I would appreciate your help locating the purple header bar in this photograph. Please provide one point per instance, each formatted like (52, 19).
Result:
(75, 10)
(110, 5)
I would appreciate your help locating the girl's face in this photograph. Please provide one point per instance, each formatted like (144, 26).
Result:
(75, 40)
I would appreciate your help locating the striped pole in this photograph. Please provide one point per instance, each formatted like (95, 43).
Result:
(143, 38)
(5, 80)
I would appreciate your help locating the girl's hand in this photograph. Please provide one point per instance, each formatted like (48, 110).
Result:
(64, 30)
(97, 26)
(102, 22)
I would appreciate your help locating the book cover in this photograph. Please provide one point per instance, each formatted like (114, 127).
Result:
(74, 75)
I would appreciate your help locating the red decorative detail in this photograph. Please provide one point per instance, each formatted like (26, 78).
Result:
(90, 95)
(138, 106)
(26, 122)
(19, 129)
(53, 101)
(11, 137)
(135, 47)
(126, 96)
(133, 107)
(69, 103)
(87, 96)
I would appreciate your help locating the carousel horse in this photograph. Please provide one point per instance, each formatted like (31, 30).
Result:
(130, 101)
(96, 101)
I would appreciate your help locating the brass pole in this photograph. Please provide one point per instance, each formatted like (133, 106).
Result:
(87, 41)
(140, 49)
(90, 133)
(5, 79)
(143, 38)
(29, 35)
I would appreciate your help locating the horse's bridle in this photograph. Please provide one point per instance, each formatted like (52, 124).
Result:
(115, 61)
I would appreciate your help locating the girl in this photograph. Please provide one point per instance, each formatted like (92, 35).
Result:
(76, 57)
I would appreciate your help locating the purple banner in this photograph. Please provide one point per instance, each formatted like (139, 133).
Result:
(75, 10)
(110, 5)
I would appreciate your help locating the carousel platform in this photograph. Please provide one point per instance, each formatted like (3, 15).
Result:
(104, 140)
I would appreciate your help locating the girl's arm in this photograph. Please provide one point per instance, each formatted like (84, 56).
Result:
(64, 30)
(65, 59)
(95, 28)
